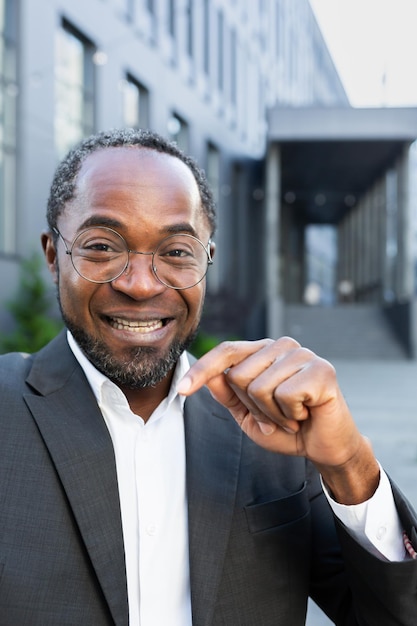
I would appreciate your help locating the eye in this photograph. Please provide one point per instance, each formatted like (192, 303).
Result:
(176, 250)
(100, 244)
(95, 246)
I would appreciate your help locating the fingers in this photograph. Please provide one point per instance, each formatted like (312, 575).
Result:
(230, 354)
(264, 377)
(243, 376)
(287, 388)
(283, 396)
(275, 373)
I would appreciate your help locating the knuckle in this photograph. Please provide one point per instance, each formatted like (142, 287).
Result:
(280, 348)
(227, 346)
(308, 354)
(255, 388)
(327, 367)
(289, 342)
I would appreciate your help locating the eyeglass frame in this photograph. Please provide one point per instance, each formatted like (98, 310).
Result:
(128, 250)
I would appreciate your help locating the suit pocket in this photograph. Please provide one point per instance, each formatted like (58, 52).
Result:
(275, 513)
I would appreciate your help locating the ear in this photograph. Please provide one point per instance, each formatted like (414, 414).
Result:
(49, 250)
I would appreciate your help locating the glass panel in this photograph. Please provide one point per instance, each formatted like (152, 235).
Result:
(213, 169)
(171, 17)
(135, 103)
(220, 50)
(131, 103)
(74, 89)
(9, 202)
(189, 27)
(2, 15)
(233, 67)
(178, 131)
(321, 264)
(8, 96)
(206, 37)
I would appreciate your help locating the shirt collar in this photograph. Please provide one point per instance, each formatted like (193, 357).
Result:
(97, 380)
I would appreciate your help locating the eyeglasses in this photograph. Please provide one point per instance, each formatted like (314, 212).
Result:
(100, 255)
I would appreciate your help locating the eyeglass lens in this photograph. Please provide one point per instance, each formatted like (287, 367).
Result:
(101, 255)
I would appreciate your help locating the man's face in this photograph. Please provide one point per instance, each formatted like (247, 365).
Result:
(134, 328)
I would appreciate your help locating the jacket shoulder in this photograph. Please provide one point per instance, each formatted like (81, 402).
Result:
(17, 368)
(15, 365)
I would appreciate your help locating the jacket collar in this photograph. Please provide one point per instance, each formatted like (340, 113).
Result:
(80, 446)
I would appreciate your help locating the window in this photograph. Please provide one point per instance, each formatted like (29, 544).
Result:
(220, 51)
(171, 18)
(74, 88)
(130, 10)
(189, 47)
(8, 95)
(213, 179)
(213, 169)
(206, 36)
(135, 103)
(178, 131)
(233, 67)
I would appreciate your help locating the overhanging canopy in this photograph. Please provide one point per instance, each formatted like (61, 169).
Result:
(329, 157)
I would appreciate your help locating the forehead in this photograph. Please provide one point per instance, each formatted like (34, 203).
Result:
(132, 166)
(132, 180)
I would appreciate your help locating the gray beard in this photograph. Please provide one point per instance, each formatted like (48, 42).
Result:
(139, 369)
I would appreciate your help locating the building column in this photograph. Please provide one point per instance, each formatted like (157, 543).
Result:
(405, 275)
(274, 304)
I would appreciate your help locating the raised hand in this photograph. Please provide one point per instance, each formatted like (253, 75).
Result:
(287, 399)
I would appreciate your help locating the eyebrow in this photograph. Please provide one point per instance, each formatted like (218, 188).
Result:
(100, 220)
(181, 227)
(109, 222)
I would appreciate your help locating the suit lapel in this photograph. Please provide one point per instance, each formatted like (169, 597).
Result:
(213, 445)
(80, 447)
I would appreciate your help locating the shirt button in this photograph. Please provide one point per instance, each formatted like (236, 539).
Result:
(151, 530)
(381, 532)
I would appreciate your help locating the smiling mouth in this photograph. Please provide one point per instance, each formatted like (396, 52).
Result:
(142, 327)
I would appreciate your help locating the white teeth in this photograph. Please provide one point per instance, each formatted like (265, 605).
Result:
(136, 327)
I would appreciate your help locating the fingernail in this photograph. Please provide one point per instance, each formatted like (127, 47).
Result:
(184, 385)
(266, 429)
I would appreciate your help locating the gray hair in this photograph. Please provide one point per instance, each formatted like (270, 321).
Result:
(64, 182)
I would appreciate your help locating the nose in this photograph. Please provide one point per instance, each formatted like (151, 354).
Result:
(138, 280)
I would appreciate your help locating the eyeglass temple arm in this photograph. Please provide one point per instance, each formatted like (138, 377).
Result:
(56, 231)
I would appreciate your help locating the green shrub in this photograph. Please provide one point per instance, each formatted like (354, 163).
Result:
(203, 343)
(30, 308)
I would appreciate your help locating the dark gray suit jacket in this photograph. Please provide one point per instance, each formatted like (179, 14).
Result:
(262, 537)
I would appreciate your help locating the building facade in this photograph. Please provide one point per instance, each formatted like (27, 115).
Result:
(202, 72)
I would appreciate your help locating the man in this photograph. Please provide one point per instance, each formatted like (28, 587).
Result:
(135, 490)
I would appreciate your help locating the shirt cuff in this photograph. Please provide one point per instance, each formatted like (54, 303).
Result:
(375, 523)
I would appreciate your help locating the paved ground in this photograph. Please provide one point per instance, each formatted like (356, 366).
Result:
(383, 398)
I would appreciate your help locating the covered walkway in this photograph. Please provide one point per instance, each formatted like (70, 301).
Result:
(340, 211)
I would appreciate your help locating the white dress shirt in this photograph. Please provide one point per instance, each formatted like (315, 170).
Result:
(374, 523)
(150, 463)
